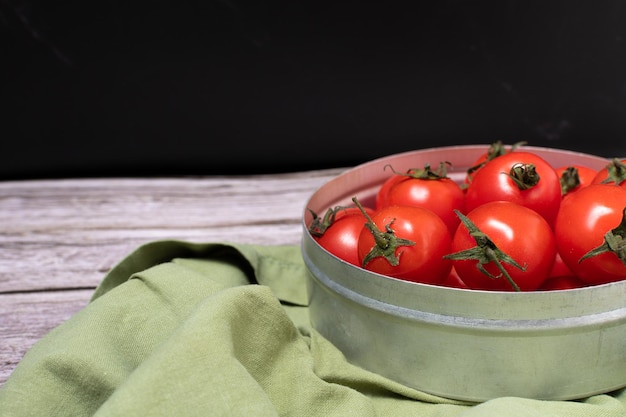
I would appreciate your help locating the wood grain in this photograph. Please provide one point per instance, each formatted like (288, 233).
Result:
(58, 238)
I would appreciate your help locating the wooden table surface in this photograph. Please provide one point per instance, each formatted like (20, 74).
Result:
(58, 238)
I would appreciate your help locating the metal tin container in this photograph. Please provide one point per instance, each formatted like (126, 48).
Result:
(464, 344)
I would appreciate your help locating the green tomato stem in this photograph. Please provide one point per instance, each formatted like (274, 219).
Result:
(525, 176)
(614, 241)
(569, 180)
(485, 252)
(386, 243)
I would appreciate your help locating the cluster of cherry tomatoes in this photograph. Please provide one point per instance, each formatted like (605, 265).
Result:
(516, 223)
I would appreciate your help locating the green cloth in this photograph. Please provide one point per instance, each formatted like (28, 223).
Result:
(187, 329)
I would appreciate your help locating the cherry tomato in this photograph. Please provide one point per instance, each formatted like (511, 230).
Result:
(453, 280)
(383, 191)
(561, 282)
(574, 177)
(613, 173)
(584, 220)
(495, 150)
(520, 177)
(428, 189)
(519, 236)
(561, 277)
(406, 243)
(559, 268)
(338, 232)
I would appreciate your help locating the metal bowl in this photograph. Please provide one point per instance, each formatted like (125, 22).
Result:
(464, 344)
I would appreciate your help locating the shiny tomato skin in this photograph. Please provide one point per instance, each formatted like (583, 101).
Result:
(584, 218)
(519, 232)
(586, 175)
(383, 191)
(491, 183)
(454, 281)
(602, 175)
(441, 196)
(341, 237)
(559, 268)
(422, 262)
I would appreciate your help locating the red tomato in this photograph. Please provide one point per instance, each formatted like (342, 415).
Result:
(381, 195)
(536, 184)
(584, 219)
(495, 150)
(559, 268)
(453, 280)
(338, 232)
(561, 277)
(430, 190)
(562, 282)
(574, 177)
(613, 173)
(519, 234)
(406, 243)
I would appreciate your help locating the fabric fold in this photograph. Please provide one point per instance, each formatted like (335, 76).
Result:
(220, 329)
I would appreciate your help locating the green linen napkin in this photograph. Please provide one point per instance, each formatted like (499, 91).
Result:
(217, 329)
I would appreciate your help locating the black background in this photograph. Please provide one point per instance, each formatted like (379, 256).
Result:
(236, 87)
